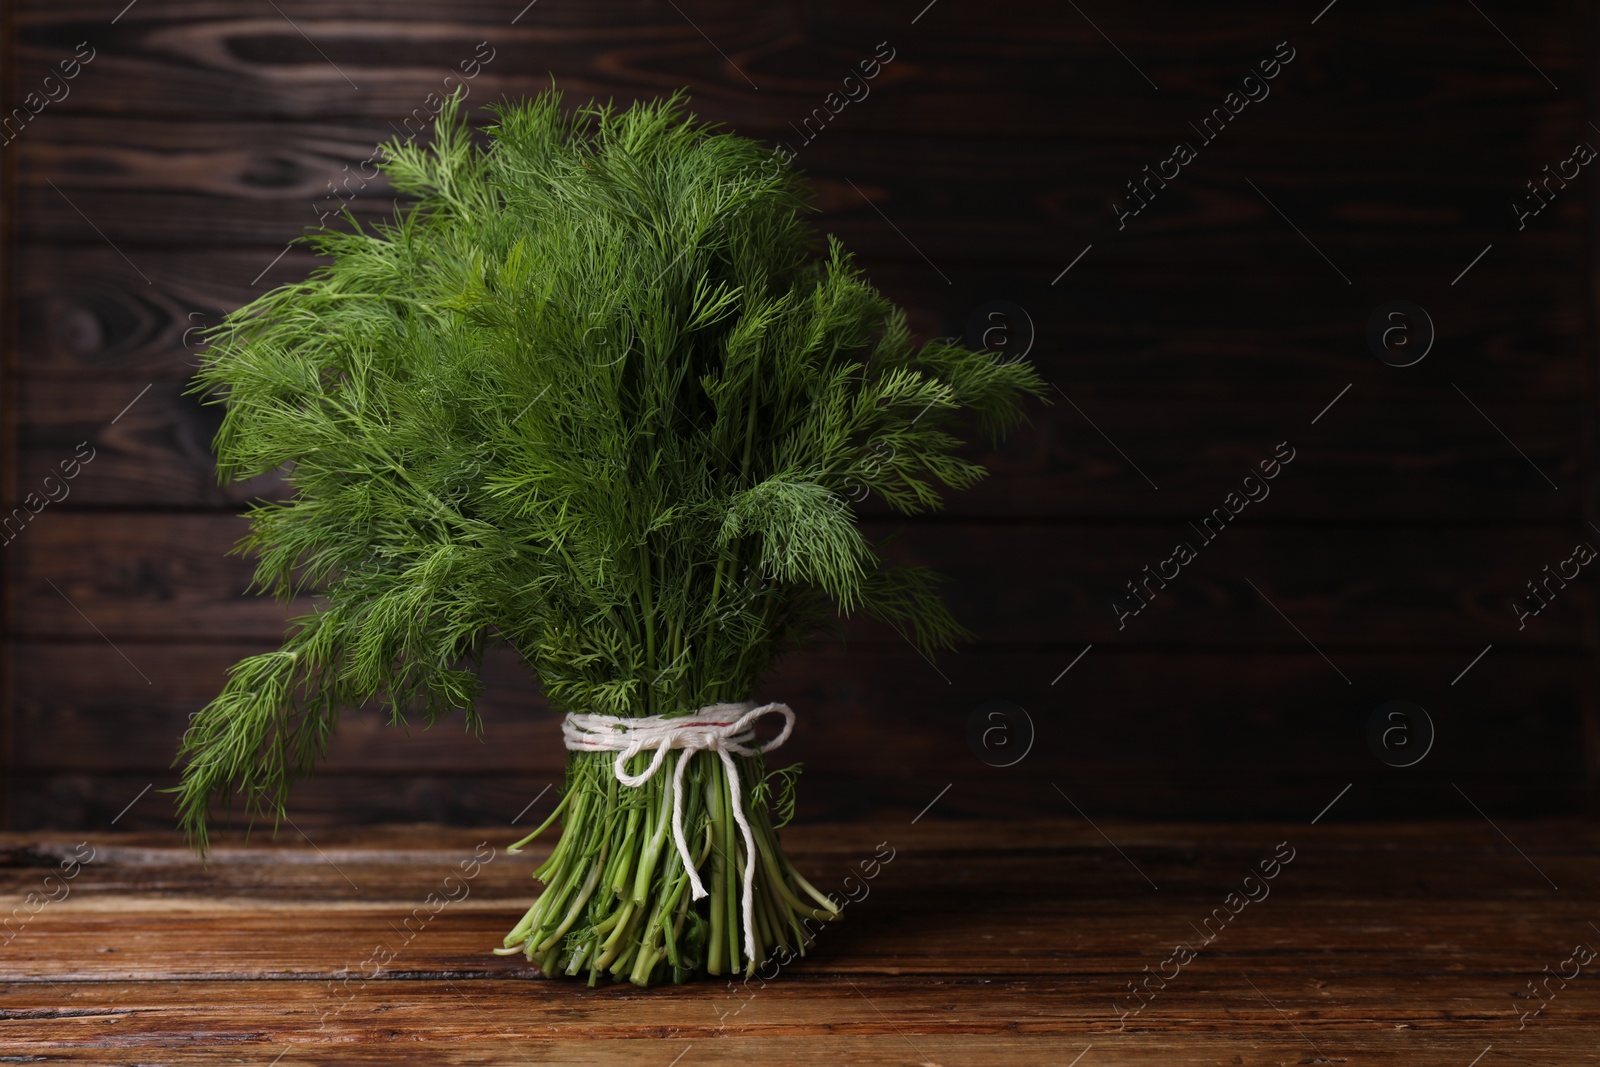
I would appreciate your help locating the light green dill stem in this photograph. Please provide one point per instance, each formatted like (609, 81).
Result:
(647, 609)
(730, 869)
(719, 916)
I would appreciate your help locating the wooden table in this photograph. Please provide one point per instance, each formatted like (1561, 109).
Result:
(976, 944)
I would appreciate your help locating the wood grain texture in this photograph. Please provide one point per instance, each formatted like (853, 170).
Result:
(213, 58)
(1406, 457)
(867, 705)
(978, 943)
(174, 577)
(84, 312)
(1220, 734)
(137, 182)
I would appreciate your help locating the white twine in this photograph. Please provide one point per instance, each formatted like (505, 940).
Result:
(725, 729)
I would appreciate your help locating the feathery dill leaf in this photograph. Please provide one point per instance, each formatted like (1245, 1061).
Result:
(594, 393)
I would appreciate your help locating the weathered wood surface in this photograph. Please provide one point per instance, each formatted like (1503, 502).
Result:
(1285, 734)
(212, 57)
(215, 184)
(82, 311)
(979, 943)
(1406, 456)
(1013, 584)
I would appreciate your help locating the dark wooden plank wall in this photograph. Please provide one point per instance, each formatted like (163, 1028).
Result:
(202, 136)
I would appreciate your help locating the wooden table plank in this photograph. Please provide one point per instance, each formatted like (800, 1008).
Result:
(978, 943)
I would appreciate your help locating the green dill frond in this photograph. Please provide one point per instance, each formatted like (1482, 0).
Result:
(596, 391)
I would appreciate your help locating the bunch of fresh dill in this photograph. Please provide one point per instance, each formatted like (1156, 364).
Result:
(593, 393)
